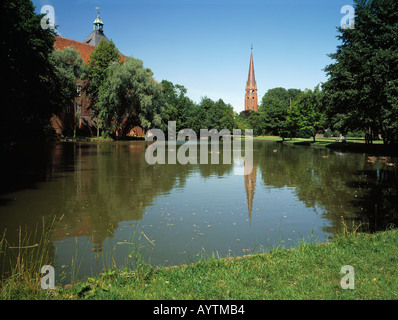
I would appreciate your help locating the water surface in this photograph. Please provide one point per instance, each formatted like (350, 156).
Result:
(113, 203)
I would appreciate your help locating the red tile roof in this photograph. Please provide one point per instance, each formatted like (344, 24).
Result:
(84, 48)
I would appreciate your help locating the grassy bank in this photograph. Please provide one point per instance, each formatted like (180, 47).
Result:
(318, 141)
(351, 145)
(98, 139)
(309, 271)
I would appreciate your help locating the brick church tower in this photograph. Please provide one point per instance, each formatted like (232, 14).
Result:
(251, 88)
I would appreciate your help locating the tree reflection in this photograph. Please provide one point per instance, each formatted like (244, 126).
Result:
(342, 184)
(95, 186)
(378, 206)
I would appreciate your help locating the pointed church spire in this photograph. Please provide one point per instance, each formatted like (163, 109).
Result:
(251, 87)
(251, 78)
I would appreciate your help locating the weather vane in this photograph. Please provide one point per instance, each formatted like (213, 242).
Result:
(97, 8)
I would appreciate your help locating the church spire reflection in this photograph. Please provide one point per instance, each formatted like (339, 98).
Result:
(250, 186)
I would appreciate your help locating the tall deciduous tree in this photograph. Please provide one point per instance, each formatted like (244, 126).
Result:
(96, 70)
(274, 108)
(211, 114)
(241, 122)
(307, 113)
(256, 121)
(284, 96)
(176, 105)
(29, 83)
(68, 65)
(129, 96)
(363, 84)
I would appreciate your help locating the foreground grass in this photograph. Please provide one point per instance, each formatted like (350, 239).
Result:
(309, 271)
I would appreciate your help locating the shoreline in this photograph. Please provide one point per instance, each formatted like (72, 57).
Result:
(377, 149)
(307, 271)
(355, 145)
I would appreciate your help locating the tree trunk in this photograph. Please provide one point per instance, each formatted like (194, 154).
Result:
(385, 135)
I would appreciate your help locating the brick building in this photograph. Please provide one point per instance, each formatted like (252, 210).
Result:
(251, 102)
(79, 116)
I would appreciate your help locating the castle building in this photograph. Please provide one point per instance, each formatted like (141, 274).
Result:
(79, 115)
(251, 88)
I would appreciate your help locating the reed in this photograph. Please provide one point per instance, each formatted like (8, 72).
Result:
(22, 260)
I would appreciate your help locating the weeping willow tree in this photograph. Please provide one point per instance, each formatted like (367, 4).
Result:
(128, 97)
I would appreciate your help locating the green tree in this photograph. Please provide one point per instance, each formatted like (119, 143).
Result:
(67, 64)
(101, 58)
(275, 105)
(274, 114)
(176, 105)
(256, 120)
(29, 83)
(221, 116)
(129, 96)
(211, 114)
(284, 96)
(307, 113)
(362, 88)
(241, 122)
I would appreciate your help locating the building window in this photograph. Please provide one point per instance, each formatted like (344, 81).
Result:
(79, 90)
(67, 109)
(78, 109)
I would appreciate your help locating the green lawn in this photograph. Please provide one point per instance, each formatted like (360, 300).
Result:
(319, 141)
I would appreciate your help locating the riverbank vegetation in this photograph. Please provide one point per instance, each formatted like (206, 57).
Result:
(309, 271)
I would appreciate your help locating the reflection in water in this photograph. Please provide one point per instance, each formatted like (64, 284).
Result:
(250, 186)
(106, 194)
(378, 203)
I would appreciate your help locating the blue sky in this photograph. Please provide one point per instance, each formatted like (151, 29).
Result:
(205, 45)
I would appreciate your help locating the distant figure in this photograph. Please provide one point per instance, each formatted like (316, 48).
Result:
(342, 139)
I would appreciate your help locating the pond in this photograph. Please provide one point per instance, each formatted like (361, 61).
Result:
(112, 207)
